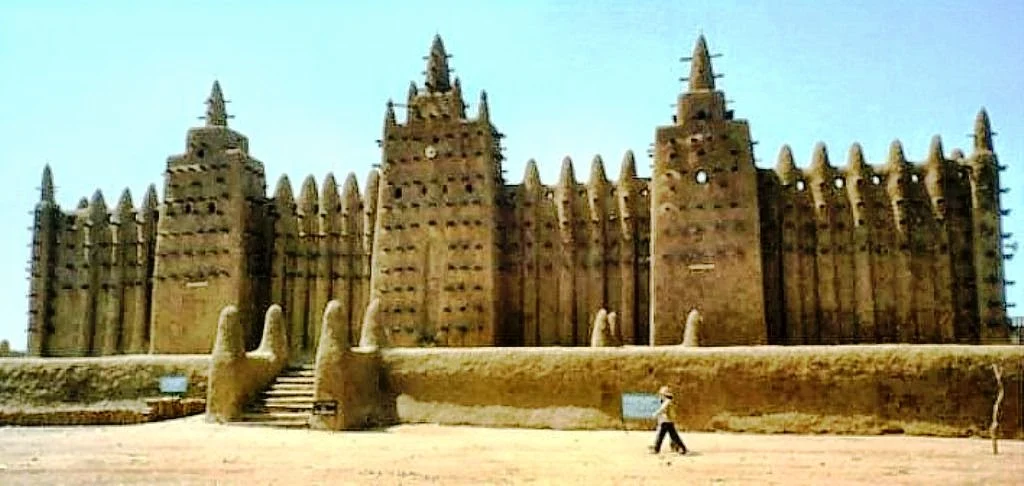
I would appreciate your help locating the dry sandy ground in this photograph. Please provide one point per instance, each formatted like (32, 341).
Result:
(190, 451)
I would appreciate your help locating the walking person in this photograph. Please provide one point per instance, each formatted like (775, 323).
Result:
(666, 423)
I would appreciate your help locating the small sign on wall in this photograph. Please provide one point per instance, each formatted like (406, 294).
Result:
(325, 407)
(639, 406)
(173, 384)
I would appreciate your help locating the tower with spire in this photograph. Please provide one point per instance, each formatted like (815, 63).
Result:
(435, 252)
(988, 234)
(208, 249)
(45, 228)
(705, 221)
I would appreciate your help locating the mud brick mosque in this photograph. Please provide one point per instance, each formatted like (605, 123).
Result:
(458, 256)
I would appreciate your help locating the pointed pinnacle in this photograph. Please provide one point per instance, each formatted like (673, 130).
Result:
(597, 175)
(216, 112)
(372, 186)
(483, 111)
(896, 157)
(935, 152)
(97, 207)
(389, 114)
(413, 91)
(627, 172)
(125, 203)
(83, 203)
(982, 132)
(785, 167)
(566, 177)
(702, 76)
(855, 159)
(531, 178)
(149, 200)
(308, 196)
(819, 161)
(438, 80)
(329, 197)
(350, 189)
(283, 191)
(46, 192)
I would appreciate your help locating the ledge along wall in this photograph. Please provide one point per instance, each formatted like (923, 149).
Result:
(926, 390)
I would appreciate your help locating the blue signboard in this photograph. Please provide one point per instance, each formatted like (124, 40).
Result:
(639, 405)
(173, 384)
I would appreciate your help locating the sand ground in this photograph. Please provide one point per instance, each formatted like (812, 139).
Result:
(190, 451)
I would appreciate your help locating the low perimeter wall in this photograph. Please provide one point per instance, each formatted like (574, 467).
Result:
(31, 382)
(926, 390)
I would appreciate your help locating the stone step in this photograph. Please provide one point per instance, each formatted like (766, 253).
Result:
(295, 380)
(290, 392)
(289, 373)
(288, 399)
(284, 406)
(291, 386)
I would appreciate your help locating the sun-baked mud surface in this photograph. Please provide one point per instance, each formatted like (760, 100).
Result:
(190, 451)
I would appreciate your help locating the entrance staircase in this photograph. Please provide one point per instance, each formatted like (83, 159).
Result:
(288, 402)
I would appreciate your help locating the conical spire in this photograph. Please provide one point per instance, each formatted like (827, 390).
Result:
(855, 159)
(329, 197)
(566, 177)
(216, 112)
(597, 175)
(935, 152)
(701, 75)
(531, 179)
(283, 191)
(483, 111)
(438, 80)
(125, 203)
(786, 166)
(413, 91)
(307, 196)
(125, 207)
(350, 192)
(896, 157)
(982, 132)
(389, 114)
(149, 200)
(82, 203)
(820, 164)
(627, 171)
(46, 192)
(97, 207)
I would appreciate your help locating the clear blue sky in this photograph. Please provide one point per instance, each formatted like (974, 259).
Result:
(104, 91)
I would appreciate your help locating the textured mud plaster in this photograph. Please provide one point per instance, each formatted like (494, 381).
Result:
(691, 334)
(350, 378)
(235, 375)
(944, 390)
(60, 381)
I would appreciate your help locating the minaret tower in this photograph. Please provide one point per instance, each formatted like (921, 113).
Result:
(207, 244)
(988, 248)
(435, 255)
(705, 224)
(44, 257)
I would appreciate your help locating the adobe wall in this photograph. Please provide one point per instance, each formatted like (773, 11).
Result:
(942, 390)
(572, 248)
(874, 254)
(53, 381)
